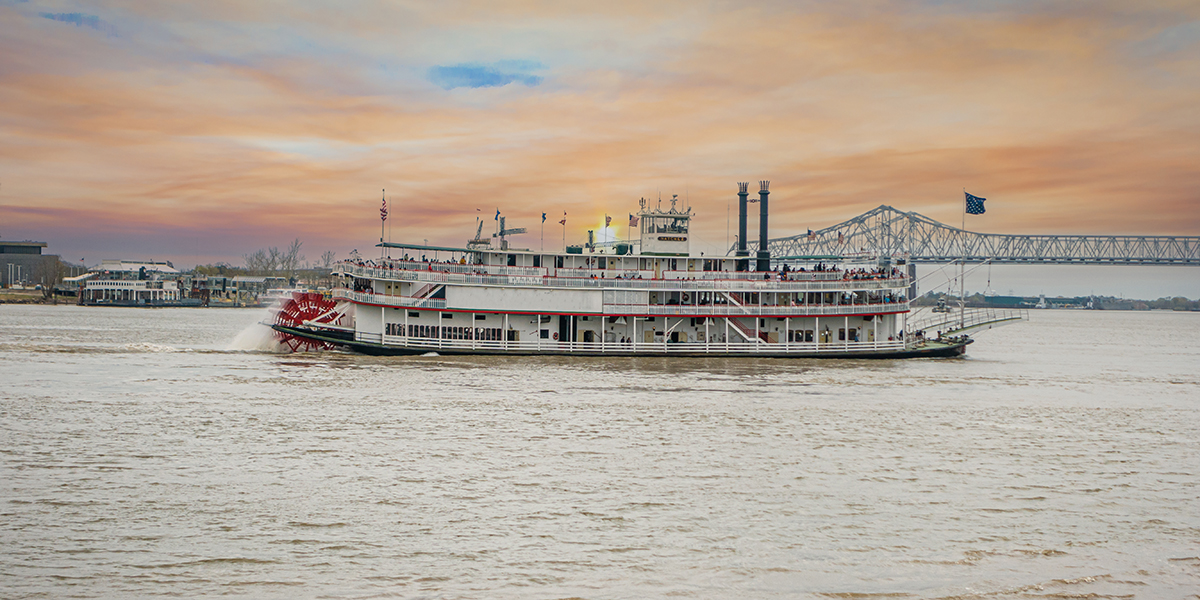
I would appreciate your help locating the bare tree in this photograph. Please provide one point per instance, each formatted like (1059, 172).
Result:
(49, 272)
(274, 258)
(327, 259)
(273, 261)
(289, 261)
(256, 262)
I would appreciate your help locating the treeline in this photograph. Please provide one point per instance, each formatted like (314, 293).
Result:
(1173, 303)
(273, 262)
(1176, 303)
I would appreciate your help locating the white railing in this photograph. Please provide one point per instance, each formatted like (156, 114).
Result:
(792, 276)
(952, 323)
(413, 265)
(384, 299)
(750, 310)
(750, 285)
(683, 310)
(541, 345)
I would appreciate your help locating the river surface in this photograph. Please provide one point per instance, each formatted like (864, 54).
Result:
(143, 455)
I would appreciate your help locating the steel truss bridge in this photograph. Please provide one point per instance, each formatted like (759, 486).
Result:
(888, 231)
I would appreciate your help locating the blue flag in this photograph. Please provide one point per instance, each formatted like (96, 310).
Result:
(543, 217)
(975, 205)
(497, 218)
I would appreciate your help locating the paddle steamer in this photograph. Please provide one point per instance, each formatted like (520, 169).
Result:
(646, 296)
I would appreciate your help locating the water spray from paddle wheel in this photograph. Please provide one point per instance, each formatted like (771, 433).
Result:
(305, 306)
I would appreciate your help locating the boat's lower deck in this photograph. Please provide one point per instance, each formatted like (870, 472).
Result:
(403, 345)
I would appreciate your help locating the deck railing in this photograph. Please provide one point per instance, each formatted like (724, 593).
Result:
(753, 310)
(392, 265)
(657, 347)
(951, 323)
(748, 285)
(683, 310)
(386, 300)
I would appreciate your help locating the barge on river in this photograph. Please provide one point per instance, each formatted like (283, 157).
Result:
(643, 297)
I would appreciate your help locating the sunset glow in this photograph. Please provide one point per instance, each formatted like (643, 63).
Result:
(198, 132)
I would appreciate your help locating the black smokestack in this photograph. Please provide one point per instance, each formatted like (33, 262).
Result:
(764, 255)
(743, 263)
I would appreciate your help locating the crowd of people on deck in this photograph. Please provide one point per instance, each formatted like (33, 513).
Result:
(784, 273)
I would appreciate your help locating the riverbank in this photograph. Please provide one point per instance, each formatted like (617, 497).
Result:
(25, 297)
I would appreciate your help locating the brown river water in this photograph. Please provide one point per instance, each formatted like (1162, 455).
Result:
(154, 452)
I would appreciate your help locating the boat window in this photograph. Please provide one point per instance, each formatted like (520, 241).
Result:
(537, 260)
(414, 313)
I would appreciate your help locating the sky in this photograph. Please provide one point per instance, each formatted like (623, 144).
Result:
(200, 132)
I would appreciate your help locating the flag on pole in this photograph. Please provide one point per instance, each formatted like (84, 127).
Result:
(564, 221)
(633, 221)
(811, 236)
(607, 220)
(383, 210)
(841, 238)
(497, 217)
(975, 205)
(543, 217)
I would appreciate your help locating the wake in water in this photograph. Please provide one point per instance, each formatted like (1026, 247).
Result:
(257, 338)
(148, 347)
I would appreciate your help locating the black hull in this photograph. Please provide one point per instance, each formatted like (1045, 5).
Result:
(340, 338)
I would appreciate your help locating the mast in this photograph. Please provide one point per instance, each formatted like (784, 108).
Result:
(962, 268)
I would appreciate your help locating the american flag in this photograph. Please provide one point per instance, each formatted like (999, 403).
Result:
(607, 220)
(811, 236)
(633, 221)
(383, 210)
(975, 205)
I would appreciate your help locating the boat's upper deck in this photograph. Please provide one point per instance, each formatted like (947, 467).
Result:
(637, 273)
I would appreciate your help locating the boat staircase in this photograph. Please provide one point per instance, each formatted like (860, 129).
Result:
(426, 293)
(745, 332)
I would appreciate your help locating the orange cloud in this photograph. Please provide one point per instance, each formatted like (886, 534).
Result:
(1069, 119)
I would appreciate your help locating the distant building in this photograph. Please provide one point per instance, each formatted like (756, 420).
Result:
(131, 283)
(257, 285)
(136, 269)
(22, 263)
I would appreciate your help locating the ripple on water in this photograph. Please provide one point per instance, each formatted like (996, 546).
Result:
(144, 456)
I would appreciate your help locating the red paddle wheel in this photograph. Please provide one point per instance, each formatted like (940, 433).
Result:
(301, 307)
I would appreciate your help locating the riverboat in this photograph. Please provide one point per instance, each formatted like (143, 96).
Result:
(126, 283)
(649, 296)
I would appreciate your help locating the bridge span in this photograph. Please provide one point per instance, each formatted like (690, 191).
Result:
(886, 230)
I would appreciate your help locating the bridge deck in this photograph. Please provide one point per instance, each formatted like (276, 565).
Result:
(885, 230)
